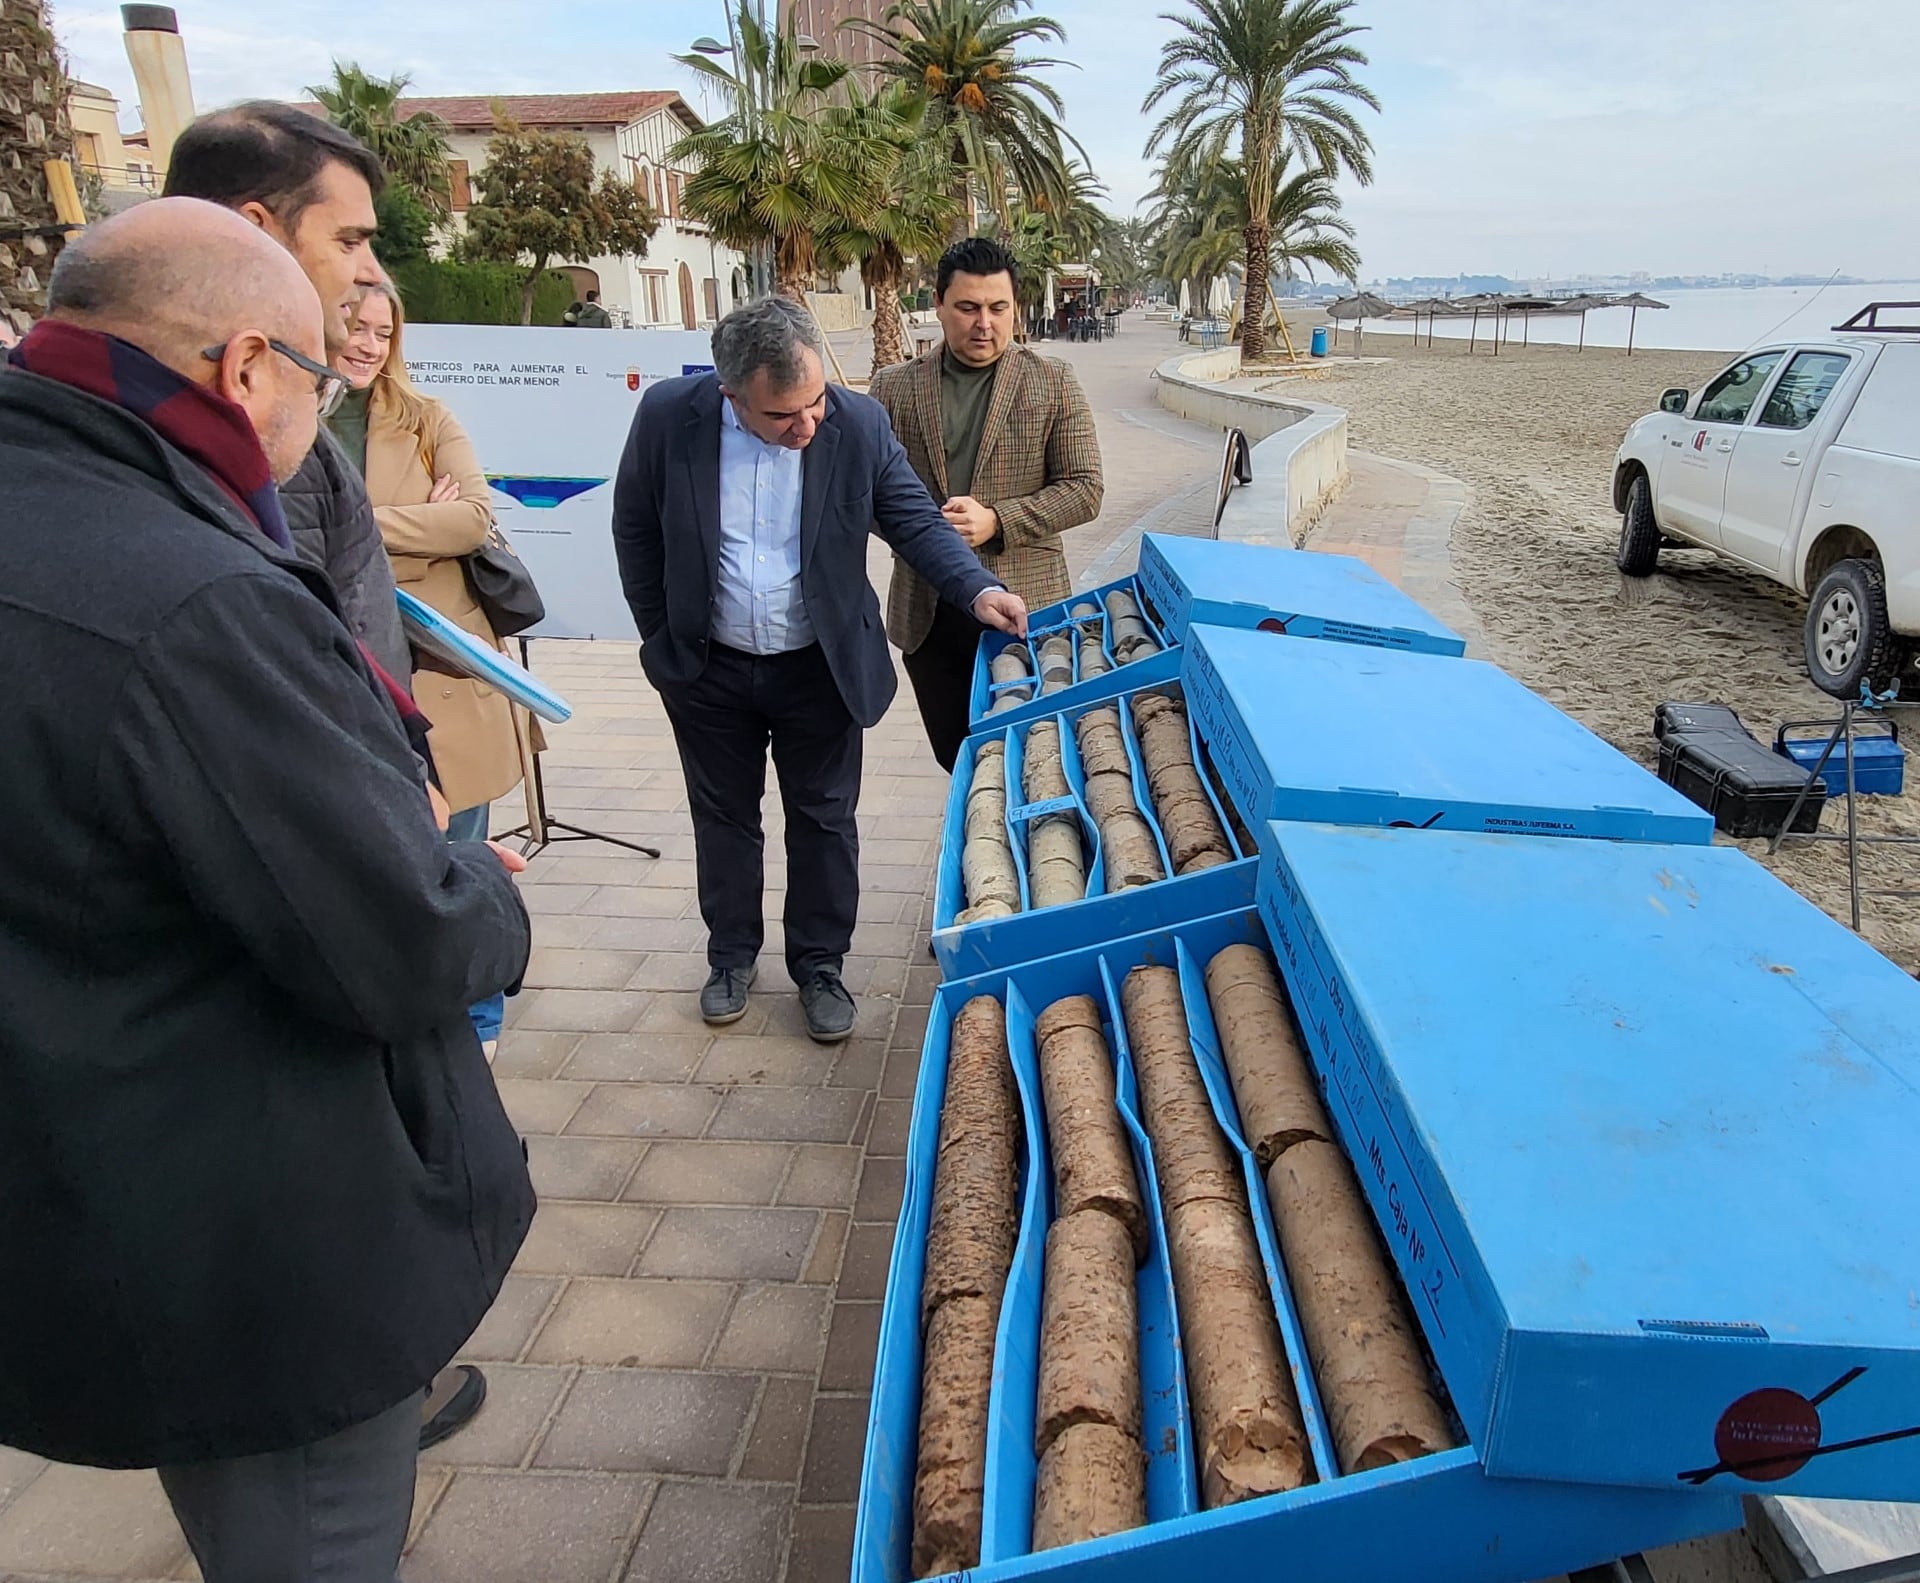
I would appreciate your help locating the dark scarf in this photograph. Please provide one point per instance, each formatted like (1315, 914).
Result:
(215, 432)
(212, 430)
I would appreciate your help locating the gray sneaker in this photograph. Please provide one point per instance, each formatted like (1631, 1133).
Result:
(724, 999)
(828, 1007)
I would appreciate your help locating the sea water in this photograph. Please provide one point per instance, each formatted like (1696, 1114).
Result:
(1706, 319)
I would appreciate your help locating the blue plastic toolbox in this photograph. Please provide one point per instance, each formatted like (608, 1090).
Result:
(1440, 1519)
(965, 949)
(1879, 762)
(1350, 735)
(1639, 1121)
(1162, 665)
(1302, 593)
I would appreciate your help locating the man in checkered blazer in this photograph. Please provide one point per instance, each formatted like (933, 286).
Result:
(1005, 439)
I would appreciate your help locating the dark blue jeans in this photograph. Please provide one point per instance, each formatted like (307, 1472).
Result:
(470, 824)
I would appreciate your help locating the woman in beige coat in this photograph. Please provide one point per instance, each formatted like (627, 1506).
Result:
(430, 499)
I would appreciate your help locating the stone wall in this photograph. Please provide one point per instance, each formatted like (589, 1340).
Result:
(1299, 447)
(33, 130)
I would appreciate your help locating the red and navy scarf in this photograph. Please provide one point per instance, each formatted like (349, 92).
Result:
(212, 430)
(215, 432)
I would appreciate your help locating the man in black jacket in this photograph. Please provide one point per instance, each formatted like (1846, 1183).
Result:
(740, 518)
(258, 1186)
(311, 186)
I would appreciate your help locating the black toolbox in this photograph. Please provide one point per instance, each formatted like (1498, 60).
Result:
(1676, 719)
(1746, 787)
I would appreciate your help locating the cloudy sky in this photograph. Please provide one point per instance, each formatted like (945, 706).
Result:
(1518, 137)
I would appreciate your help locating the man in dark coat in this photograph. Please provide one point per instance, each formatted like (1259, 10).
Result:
(741, 514)
(258, 1184)
(311, 186)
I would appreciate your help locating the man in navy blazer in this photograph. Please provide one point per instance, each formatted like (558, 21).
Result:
(740, 517)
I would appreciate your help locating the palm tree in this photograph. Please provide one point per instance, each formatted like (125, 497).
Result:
(997, 115)
(907, 214)
(790, 164)
(412, 150)
(33, 130)
(1039, 247)
(1274, 77)
(1202, 219)
(1083, 225)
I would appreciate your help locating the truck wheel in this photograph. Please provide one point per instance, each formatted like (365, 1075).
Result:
(1849, 638)
(1639, 550)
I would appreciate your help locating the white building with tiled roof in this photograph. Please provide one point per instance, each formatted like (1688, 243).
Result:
(687, 279)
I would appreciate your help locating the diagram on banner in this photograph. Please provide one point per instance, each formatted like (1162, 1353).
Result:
(542, 494)
(548, 411)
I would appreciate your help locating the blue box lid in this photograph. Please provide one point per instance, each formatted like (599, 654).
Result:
(1635, 1122)
(1302, 593)
(1349, 735)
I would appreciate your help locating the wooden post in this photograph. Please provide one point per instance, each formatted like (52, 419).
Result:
(1286, 339)
(1633, 318)
(65, 193)
(832, 356)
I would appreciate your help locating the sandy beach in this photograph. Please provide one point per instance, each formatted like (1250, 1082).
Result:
(1534, 433)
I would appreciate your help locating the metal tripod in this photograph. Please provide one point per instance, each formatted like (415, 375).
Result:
(1843, 738)
(541, 827)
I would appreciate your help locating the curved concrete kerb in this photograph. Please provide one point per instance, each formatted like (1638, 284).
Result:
(1300, 454)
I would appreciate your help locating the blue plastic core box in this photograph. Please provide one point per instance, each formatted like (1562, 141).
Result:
(1440, 1518)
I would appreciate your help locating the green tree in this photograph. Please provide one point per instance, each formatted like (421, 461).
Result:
(998, 116)
(539, 201)
(33, 131)
(791, 165)
(1263, 78)
(406, 225)
(905, 216)
(412, 149)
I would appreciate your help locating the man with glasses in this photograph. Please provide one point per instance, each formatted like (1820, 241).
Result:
(311, 186)
(258, 1183)
(329, 388)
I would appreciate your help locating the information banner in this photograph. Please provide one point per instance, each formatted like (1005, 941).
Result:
(548, 411)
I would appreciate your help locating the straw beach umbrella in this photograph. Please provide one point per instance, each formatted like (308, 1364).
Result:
(1479, 303)
(1363, 305)
(1527, 307)
(1432, 307)
(1582, 305)
(1636, 301)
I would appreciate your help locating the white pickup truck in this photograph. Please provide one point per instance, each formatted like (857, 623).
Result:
(1802, 461)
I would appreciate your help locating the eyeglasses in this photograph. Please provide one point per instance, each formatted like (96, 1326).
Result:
(329, 388)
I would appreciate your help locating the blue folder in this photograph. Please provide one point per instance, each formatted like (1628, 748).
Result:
(469, 656)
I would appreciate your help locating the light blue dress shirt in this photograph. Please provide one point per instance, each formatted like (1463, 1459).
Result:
(758, 606)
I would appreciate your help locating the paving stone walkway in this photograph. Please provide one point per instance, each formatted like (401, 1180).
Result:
(679, 1365)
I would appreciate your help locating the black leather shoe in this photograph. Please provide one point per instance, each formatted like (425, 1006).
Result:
(724, 999)
(828, 1006)
(453, 1399)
